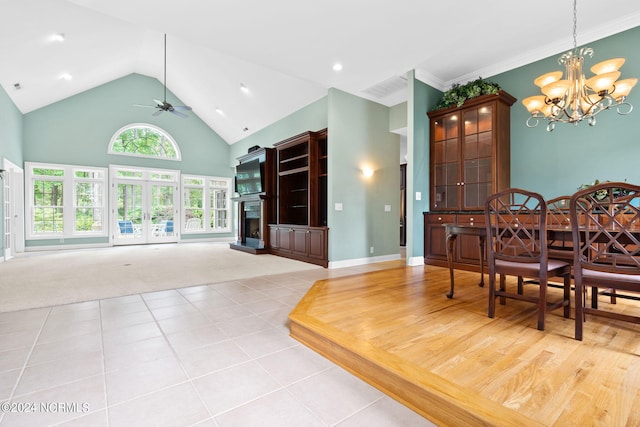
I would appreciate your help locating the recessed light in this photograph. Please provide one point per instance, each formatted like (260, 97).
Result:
(337, 66)
(245, 129)
(59, 37)
(65, 76)
(244, 88)
(17, 86)
(219, 111)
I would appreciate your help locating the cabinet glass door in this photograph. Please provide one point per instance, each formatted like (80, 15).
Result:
(477, 156)
(445, 163)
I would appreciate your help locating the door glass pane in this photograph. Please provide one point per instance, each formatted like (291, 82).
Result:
(471, 146)
(451, 126)
(130, 215)
(471, 122)
(452, 173)
(484, 144)
(470, 174)
(162, 211)
(439, 175)
(438, 131)
(451, 149)
(471, 195)
(484, 118)
(452, 196)
(484, 170)
(438, 152)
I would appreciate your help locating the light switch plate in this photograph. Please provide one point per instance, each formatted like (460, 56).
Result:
(418, 195)
(387, 208)
(338, 206)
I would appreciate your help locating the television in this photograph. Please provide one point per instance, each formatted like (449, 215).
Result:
(249, 177)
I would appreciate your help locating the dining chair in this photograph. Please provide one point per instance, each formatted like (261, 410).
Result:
(517, 246)
(605, 221)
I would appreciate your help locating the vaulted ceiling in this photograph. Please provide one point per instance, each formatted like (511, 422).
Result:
(282, 51)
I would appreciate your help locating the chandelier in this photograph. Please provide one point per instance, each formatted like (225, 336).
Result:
(576, 98)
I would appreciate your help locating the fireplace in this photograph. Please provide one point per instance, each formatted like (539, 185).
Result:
(252, 223)
(251, 214)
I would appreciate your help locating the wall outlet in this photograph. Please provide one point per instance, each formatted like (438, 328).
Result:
(387, 208)
(338, 206)
(371, 250)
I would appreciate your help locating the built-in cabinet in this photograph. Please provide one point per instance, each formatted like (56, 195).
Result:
(300, 231)
(469, 160)
(470, 152)
(466, 251)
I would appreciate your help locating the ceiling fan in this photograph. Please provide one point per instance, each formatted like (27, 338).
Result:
(164, 105)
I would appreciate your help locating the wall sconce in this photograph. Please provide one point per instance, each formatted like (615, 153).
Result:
(367, 172)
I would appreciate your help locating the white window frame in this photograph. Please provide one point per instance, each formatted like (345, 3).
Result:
(208, 188)
(69, 182)
(147, 156)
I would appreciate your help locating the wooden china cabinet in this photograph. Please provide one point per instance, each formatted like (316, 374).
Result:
(469, 160)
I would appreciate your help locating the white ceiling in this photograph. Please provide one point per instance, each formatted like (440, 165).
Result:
(282, 50)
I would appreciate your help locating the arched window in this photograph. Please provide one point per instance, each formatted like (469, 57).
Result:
(144, 140)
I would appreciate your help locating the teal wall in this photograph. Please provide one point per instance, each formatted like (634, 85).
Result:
(556, 163)
(359, 136)
(310, 118)
(10, 143)
(78, 129)
(422, 98)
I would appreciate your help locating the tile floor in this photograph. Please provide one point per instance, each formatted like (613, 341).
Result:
(215, 355)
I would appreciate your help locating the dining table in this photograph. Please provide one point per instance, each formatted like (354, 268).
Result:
(452, 231)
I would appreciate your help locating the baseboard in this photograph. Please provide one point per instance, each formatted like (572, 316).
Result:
(362, 261)
(414, 261)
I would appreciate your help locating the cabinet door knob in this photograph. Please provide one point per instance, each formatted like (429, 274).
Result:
(439, 218)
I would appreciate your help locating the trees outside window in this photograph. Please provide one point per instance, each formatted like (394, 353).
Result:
(206, 204)
(65, 200)
(144, 140)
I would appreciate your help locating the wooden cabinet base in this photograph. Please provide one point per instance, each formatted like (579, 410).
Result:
(308, 244)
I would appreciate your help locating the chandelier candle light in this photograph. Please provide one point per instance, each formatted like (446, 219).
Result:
(576, 98)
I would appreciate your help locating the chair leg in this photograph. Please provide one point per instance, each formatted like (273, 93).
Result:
(594, 297)
(542, 303)
(503, 287)
(580, 300)
(567, 295)
(520, 285)
(613, 296)
(492, 295)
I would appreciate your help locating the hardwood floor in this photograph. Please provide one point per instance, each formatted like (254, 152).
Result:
(448, 361)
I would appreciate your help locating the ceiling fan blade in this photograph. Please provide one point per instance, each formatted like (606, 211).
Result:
(144, 106)
(182, 107)
(157, 113)
(158, 102)
(179, 114)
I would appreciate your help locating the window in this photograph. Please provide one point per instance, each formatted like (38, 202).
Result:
(218, 204)
(65, 201)
(48, 208)
(89, 186)
(206, 204)
(144, 140)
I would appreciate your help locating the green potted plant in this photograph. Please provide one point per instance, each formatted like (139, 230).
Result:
(458, 94)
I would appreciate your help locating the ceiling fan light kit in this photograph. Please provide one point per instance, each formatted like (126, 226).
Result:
(163, 105)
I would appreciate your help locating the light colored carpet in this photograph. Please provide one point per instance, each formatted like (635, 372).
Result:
(41, 279)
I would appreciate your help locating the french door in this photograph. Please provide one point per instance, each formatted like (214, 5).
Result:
(144, 206)
(13, 208)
